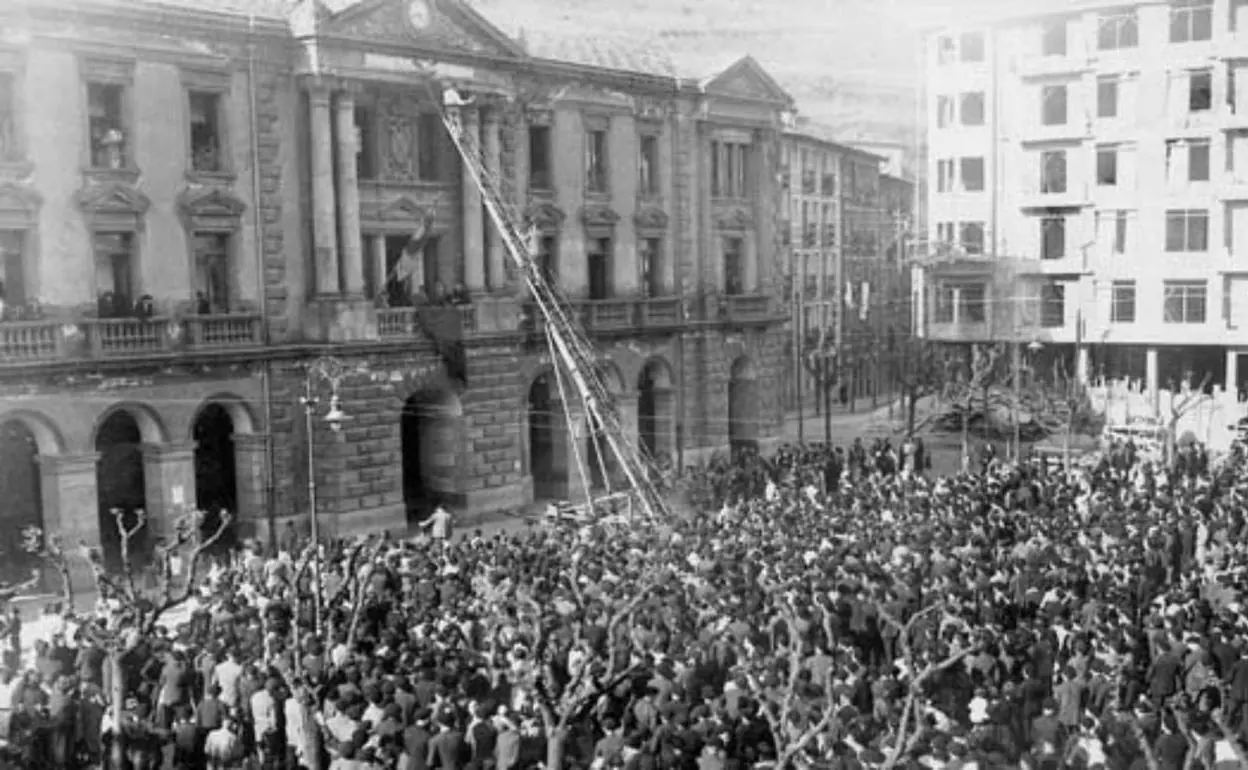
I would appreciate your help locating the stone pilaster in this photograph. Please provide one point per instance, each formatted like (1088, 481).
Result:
(349, 196)
(491, 132)
(251, 462)
(70, 497)
(169, 476)
(474, 234)
(324, 206)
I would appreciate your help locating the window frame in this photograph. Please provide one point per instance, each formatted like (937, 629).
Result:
(1050, 162)
(593, 249)
(1190, 295)
(1124, 30)
(1197, 95)
(962, 175)
(1115, 84)
(596, 157)
(1184, 21)
(13, 67)
(650, 265)
(214, 83)
(1107, 177)
(1207, 146)
(1048, 223)
(650, 181)
(1122, 311)
(229, 254)
(546, 182)
(1048, 35)
(946, 110)
(1047, 91)
(977, 245)
(1187, 217)
(738, 240)
(972, 48)
(971, 97)
(1052, 295)
(135, 275)
(120, 73)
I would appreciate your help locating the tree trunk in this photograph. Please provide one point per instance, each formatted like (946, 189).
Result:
(911, 412)
(556, 740)
(966, 437)
(116, 706)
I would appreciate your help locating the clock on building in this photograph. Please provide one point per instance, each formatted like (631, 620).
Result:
(420, 12)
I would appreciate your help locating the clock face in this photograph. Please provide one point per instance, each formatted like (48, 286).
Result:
(419, 12)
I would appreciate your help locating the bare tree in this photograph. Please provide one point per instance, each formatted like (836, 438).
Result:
(1065, 407)
(1181, 403)
(906, 739)
(785, 657)
(134, 611)
(922, 370)
(565, 693)
(969, 388)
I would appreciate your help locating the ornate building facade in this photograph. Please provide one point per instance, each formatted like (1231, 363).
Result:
(197, 208)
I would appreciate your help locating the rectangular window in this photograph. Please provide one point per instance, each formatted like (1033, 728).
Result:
(539, 158)
(734, 266)
(1120, 232)
(1185, 302)
(1107, 97)
(944, 111)
(1198, 160)
(107, 125)
(972, 47)
(115, 273)
(1191, 20)
(1118, 29)
(1052, 237)
(207, 151)
(1053, 105)
(10, 136)
(212, 272)
(972, 302)
(648, 165)
(366, 155)
(596, 162)
(971, 236)
(12, 270)
(972, 173)
(651, 258)
(946, 50)
(600, 252)
(944, 175)
(1107, 166)
(972, 108)
(828, 185)
(1187, 230)
(1122, 305)
(1200, 91)
(1053, 171)
(429, 146)
(944, 233)
(1053, 37)
(1052, 306)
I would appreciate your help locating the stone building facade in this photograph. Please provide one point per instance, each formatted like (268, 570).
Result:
(201, 214)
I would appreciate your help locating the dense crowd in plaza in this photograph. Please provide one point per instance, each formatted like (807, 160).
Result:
(821, 609)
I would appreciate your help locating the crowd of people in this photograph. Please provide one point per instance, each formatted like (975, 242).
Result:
(819, 608)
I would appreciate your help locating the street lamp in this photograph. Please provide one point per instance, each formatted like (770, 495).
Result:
(332, 371)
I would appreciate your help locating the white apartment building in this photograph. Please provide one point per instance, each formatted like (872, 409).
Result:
(1088, 188)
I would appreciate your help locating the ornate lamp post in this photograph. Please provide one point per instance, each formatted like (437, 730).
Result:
(331, 370)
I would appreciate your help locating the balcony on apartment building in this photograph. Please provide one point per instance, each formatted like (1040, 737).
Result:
(33, 338)
(1066, 195)
(616, 316)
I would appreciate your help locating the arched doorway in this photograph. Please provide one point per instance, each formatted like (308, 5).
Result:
(22, 497)
(654, 410)
(546, 429)
(120, 484)
(216, 481)
(430, 440)
(742, 406)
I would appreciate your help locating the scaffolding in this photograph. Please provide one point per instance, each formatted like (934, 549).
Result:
(576, 366)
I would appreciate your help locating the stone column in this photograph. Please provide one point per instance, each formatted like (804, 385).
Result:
(493, 145)
(474, 258)
(324, 208)
(169, 475)
(1081, 364)
(349, 196)
(1150, 377)
(1232, 372)
(377, 255)
(251, 462)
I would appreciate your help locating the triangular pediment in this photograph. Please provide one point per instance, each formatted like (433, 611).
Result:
(404, 209)
(19, 198)
(113, 198)
(437, 25)
(211, 202)
(747, 80)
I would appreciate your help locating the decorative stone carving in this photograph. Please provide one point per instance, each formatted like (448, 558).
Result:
(538, 116)
(400, 146)
(390, 22)
(404, 209)
(545, 216)
(650, 218)
(734, 219)
(651, 109)
(113, 204)
(599, 217)
(19, 205)
(210, 208)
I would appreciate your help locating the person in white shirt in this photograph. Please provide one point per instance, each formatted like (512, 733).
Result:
(226, 676)
(264, 718)
(440, 524)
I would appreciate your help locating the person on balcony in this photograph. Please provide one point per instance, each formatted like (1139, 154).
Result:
(202, 305)
(460, 295)
(106, 305)
(145, 308)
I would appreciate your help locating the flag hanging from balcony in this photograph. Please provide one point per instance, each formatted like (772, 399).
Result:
(411, 263)
(866, 301)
